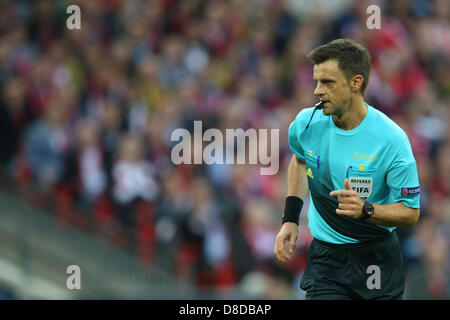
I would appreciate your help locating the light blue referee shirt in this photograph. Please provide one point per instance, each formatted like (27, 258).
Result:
(376, 157)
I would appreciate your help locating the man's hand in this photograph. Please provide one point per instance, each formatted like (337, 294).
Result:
(350, 204)
(288, 232)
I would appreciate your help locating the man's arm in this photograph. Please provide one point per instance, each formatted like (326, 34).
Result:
(394, 215)
(297, 181)
(297, 185)
(388, 215)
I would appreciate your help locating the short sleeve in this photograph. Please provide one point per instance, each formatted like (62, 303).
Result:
(402, 177)
(294, 141)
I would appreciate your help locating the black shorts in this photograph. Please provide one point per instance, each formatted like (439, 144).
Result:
(354, 271)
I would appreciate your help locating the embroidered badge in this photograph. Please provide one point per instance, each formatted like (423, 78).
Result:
(362, 186)
(411, 191)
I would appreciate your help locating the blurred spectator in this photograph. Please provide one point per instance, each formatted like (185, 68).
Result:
(85, 171)
(133, 180)
(15, 116)
(46, 144)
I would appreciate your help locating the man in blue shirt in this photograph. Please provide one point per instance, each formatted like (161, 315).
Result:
(362, 178)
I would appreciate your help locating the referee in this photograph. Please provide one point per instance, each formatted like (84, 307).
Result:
(362, 178)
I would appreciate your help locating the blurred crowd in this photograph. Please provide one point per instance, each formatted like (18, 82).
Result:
(86, 118)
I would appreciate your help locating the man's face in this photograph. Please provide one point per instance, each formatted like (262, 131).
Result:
(332, 87)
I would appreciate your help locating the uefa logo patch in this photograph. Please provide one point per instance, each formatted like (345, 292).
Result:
(410, 191)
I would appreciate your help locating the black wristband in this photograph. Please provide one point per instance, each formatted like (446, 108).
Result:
(292, 208)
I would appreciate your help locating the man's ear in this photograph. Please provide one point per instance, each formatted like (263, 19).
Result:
(356, 82)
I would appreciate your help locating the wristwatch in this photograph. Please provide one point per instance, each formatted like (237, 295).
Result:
(368, 210)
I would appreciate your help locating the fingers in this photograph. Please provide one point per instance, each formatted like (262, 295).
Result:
(279, 250)
(347, 210)
(349, 213)
(342, 193)
(285, 234)
(347, 206)
(348, 200)
(292, 241)
(347, 185)
(347, 192)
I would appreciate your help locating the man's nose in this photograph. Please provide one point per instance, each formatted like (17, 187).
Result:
(318, 91)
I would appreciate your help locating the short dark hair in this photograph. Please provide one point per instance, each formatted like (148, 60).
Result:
(352, 58)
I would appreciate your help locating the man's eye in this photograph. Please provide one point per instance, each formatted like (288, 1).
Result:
(326, 82)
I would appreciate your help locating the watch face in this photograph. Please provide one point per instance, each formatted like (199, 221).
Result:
(369, 208)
